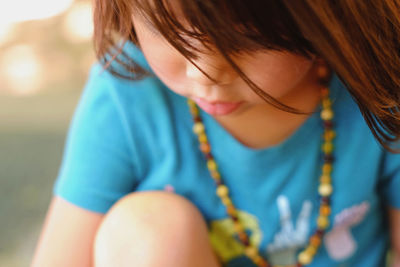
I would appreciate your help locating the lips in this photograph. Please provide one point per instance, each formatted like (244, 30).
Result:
(217, 108)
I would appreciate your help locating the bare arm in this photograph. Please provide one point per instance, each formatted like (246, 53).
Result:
(394, 221)
(67, 236)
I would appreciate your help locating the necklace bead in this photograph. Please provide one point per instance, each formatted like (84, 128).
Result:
(304, 258)
(329, 135)
(212, 165)
(315, 240)
(325, 189)
(325, 210)
(222, 191)
(203, 138)
(323, 222)
(327, 147)
(205, 148)
(198, 128)
(327, 168)
(215, 175)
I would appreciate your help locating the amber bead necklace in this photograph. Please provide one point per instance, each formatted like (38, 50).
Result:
(325, 188)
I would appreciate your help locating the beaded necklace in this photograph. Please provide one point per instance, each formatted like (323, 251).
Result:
(325, 188)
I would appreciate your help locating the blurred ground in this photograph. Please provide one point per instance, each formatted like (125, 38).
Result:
(43, 67)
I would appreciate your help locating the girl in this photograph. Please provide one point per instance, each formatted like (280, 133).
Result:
(281, 169)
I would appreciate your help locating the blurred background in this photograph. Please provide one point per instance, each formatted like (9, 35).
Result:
(45, 55)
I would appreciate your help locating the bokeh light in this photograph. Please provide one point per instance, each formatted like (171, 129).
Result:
(78, 26)
(22, 69)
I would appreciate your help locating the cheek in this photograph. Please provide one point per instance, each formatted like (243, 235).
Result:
(165, 61)
(278, 74)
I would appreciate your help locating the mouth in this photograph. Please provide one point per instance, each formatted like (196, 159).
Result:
(217, 108)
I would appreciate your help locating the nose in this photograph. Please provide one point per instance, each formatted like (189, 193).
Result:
(217, 68)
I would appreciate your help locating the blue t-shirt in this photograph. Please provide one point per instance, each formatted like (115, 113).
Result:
(137, 135)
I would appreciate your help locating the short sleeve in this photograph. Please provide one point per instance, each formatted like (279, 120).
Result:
(390, 184)
(98, 165)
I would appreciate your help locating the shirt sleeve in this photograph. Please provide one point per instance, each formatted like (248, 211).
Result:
(98, 165)
(390, 185)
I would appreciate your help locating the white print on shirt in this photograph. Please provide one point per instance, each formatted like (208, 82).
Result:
(339, 242)
(287, 241)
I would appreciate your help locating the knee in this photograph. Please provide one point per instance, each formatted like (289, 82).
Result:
(153, 211)
(142, 222)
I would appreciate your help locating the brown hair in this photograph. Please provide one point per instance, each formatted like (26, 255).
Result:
(360, 40)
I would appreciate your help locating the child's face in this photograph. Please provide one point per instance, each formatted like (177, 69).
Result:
(281, 75)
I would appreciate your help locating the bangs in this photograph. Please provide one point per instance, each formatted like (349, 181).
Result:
(230, 26)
